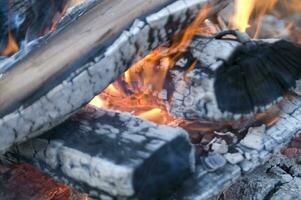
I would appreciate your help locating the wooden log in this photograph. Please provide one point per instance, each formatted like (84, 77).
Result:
(71, 68)
(116, 154)
(203, 93)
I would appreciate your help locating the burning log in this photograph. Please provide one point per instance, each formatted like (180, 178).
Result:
(109, 153)
(234, 79)
(68, 70)
(60, 83)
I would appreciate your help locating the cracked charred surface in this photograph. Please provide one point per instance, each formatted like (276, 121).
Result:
(107, 153)
(77, 74)
(224, 85)
(278, 179)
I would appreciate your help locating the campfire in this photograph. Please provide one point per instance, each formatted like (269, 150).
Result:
(176, 104)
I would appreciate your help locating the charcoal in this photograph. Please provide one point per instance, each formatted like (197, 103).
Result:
(116, 154)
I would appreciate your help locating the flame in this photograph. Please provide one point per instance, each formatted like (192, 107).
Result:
(11, 47)
(244, 10)
(141, 89)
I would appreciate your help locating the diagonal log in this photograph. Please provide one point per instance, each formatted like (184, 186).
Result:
(68, 70)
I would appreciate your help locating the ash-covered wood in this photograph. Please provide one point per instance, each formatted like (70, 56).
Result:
(278, 179)
(61, 76)
(116, 154)
(219, 167)
(233, 79)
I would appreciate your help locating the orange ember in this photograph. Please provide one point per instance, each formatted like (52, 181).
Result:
(141, 89)
(11, 47)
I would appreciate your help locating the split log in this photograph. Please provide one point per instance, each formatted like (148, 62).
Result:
(216, 170)
(68, 70)
(116, 154)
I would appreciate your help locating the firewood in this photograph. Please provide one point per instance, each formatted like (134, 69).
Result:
(109, 153)
(69, 69)
(235, 79)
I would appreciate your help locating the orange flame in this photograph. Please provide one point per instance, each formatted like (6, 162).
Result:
(244, 10)
(11, 47)
(141, 89)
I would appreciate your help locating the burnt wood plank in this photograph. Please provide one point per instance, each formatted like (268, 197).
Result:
(109, 153)
(62, 75)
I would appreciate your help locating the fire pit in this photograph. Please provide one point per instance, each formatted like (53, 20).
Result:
(147, 100)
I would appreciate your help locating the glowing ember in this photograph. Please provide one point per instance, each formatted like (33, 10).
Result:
(12, 46)
(141, 89)
(144, 91)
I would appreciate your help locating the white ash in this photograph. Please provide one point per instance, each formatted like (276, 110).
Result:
(254, 138)
(220, 146)
(234, 158)
(214, 161)
(198, 89)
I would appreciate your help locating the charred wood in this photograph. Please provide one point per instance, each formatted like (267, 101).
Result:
(116, 154)
(277, 179)
(234, 79)
(58, 78)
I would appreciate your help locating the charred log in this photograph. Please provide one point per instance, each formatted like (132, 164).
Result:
(234, 80)
(72, 68)
(109, 153)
